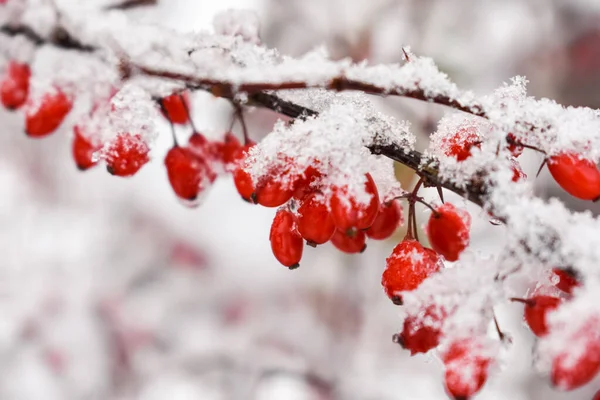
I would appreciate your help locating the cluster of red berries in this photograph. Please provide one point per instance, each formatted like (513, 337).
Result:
(577, 371)
(310, 218)
(42, 116)
(409, 265)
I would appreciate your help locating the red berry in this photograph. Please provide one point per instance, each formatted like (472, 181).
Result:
(597, 395)
(14, 86)
(272, 191)
(577, 176)
(408, 266)
(229, 148)
(84, 149)
(350, 215)
(314, 220)
(126, 154)
(351, 244)
(518, 173)
(421, 332)
(187, 174)
(286, 242)
(514, 148)
(242, 179)
(307, 182)
(466, 368)
(201, 147)
(567, 279)
(176, 107)
(536, 309)
(579, 362)
(460, 144)
(388, 219)
(42, 119)
(448, 231)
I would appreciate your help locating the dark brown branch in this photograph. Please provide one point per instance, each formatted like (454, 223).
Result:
(341, 83)
(59, 37)
(129, 4)
(258, 95)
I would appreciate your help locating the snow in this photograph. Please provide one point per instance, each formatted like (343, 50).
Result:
(539, 234)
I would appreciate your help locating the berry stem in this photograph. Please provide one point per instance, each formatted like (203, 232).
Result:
(414, 218)
(528, 302)
(541, 167)
(514, 142)
(501, 334)
(187, 112)
(164, 110)
(239, 112)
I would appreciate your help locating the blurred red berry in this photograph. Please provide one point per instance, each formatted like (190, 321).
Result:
(176, 107)
(536, 309)
(466, 368)
(84, 149)
(579, 362)
(45, 116)
(14, 86)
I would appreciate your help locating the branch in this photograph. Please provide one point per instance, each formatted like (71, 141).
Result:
(59, 37)
(259, 96)
(129, 4)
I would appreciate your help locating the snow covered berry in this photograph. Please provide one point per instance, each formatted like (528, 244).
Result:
(348, 214)
(565, 279)
(126, 154)
(409, 264)
(536, 309)
(351, 243)
(577, 176)
(448, 231)
(45, 115)
(314, 220)
(466, 368)
(272, 191)
(175, 108)
(515, 149)
(388, 219)
(421, 332)
(518, 173)
(579, 361)
(14, 86)
(459, 144)
(307, 182)
(286, 243)
(188, 174)
(84, 149)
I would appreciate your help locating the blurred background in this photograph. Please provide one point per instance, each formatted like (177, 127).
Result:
(112, 289)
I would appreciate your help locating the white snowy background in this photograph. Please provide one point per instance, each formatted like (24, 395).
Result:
(111, 289)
